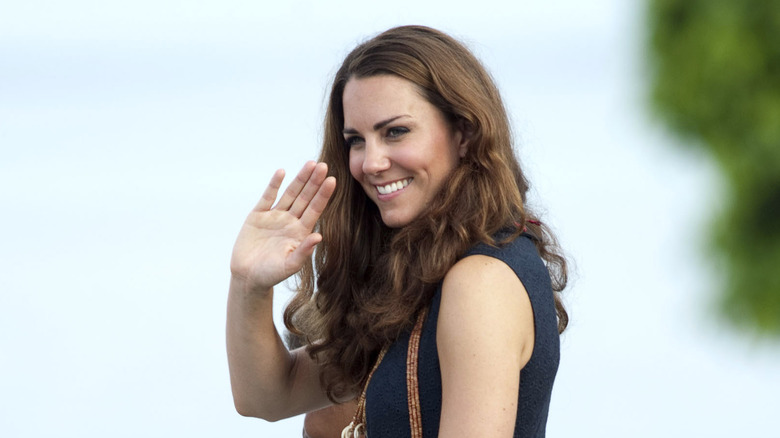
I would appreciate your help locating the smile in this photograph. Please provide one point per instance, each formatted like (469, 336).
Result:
(393, 186)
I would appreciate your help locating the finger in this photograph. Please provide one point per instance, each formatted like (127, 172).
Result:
(295, 187)
(309, 190)
(303, 252)
(269, 195)
(305, 249)
(318, 203)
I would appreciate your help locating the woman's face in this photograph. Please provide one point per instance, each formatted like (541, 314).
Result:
(401, 148)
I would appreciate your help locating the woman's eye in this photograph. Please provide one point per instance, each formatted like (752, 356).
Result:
(396, 132)
(351, 142)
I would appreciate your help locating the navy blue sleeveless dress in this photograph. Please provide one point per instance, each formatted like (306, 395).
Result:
(386, 397)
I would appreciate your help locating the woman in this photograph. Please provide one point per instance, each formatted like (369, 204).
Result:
(432, 298)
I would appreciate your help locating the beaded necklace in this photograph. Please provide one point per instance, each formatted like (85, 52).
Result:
(357, 427)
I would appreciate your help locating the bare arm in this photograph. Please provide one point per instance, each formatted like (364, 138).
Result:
(485, 335)
(330, 421)
(267, 380)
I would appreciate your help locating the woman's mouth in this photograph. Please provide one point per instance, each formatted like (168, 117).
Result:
(393, 186)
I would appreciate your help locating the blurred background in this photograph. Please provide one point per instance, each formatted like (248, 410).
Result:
(135, 136)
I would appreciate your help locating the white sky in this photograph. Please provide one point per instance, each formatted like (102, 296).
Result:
(135, 136)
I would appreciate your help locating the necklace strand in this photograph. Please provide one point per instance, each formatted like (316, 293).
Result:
(357, 428)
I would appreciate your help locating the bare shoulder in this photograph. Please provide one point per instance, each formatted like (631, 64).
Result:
(484, 295)
(484, 337)
(479, 268)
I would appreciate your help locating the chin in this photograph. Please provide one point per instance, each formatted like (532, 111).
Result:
(393, 224)
(393, 221)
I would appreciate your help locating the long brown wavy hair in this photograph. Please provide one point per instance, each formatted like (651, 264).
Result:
(370, 280)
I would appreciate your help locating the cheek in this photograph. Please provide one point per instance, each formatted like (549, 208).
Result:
(356, 165)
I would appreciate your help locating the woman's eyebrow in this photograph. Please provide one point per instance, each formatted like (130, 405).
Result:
(377, 126)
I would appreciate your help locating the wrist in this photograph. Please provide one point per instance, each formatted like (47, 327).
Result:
(242, 286)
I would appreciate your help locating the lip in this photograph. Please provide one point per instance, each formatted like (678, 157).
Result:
(388, 196)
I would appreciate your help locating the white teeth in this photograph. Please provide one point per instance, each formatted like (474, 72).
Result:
(393, 187)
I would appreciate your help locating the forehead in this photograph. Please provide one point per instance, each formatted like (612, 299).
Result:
(365, 99)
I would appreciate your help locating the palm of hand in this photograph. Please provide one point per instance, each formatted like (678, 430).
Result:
(274, 243)
(265, 251)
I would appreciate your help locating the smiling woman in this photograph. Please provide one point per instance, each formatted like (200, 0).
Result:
(401, 148)
(431, 305)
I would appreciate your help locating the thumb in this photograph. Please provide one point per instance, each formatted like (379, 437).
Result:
(305, 249)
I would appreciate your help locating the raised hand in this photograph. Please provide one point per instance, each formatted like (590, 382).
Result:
(276, 240)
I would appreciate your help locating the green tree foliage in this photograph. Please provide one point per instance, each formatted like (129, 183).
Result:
(716, 82)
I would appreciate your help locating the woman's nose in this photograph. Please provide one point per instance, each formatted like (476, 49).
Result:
(375, 159)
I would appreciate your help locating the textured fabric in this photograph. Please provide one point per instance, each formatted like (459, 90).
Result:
(386, 398)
